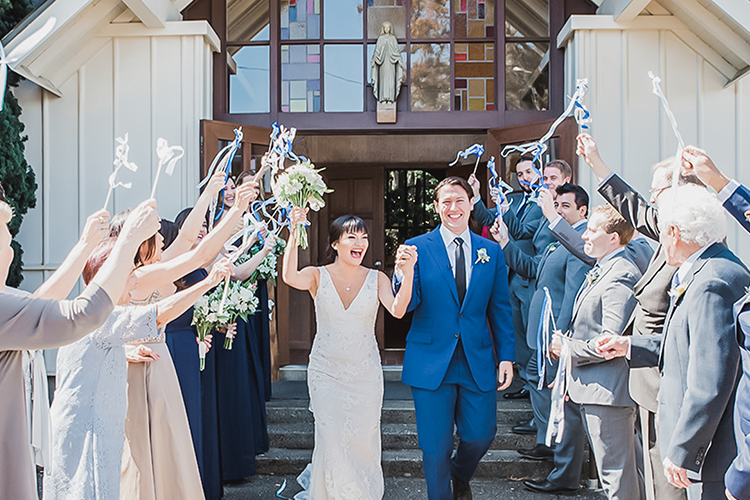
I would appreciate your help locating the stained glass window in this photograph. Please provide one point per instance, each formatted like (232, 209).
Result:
(430, 77)
(300, 78)
(474, 18)
(300, 19)
(474, 77)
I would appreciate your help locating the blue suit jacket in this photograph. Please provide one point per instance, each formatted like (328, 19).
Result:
(738, 204)
(482, 322)
(737, 478)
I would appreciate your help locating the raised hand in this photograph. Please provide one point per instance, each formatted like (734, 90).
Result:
(696, 161)
(143, 221)
(297, 216)
(220, 271)
(547, 203)
(96, 228)
(587, 149)
(217, 183)
(474, 183)
(612, 346)
(244, 195)
(406, 258)
(499, 232)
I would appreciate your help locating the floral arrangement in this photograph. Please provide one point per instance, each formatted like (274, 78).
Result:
(240, 302)
(299, 186)
(268, 269)
(204, 320)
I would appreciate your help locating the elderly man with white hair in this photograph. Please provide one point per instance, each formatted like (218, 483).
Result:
(697, 354)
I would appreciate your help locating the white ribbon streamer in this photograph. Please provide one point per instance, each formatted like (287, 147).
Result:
(121, 160)
(656, 83)
(166, 154)
(556, 425)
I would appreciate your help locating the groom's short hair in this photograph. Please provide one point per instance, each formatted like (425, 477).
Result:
(454, 181)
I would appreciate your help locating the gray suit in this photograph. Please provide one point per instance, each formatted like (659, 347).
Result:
(600, 387)
(648, 319)
(562, 274)
(699, 360)
(524, 234)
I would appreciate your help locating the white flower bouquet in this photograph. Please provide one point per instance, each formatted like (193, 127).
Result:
(299, 186)
(204, 320)
(268, 269)
(240, 302)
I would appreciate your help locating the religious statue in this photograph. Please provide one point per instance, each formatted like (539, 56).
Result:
(388, 67)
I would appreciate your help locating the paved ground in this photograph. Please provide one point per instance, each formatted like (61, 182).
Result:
(265, 488)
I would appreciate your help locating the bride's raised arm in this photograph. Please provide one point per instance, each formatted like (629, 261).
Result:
(156, 275)
(406, 258)
(304, 279)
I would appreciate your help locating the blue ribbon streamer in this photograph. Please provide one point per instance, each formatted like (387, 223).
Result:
(496, 182)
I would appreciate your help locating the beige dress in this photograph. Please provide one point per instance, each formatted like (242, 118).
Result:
(28, 323)
(158, 460)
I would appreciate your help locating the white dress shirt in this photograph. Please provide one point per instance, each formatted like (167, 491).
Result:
(450, 247)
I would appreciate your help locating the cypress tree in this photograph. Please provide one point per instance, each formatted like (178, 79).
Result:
(16, 175)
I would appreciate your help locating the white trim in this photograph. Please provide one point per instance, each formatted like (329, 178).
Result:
(607, 22)
(731, 40)
(154, 13)
(738, 10)
(172, 28)
(622, 10)
(661, 23)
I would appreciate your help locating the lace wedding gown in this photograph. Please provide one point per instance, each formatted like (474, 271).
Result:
(345, 381)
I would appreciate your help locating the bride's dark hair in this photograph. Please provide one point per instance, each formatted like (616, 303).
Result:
(342, 225)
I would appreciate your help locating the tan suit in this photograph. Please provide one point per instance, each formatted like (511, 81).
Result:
(28, 323)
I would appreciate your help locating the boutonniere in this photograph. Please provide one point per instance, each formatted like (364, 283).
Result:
(593, 275)
(747, 215)
(552, 247)
(676, 293)
(482, 256)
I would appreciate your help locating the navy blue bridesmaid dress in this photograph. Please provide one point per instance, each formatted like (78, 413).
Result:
(183, 347)
(237, 405)
(211, 474)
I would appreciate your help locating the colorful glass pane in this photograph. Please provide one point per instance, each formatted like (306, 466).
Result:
(300, 78)
(300, 19)
(474, 76)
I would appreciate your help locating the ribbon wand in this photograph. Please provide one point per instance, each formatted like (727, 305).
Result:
(475, 149)
(166, 154)
(656, 82)
(121, 160)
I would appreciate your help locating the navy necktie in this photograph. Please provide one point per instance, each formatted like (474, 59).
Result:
(460, 269)
(522, 208)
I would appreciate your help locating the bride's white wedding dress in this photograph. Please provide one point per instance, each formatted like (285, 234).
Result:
(345, 380)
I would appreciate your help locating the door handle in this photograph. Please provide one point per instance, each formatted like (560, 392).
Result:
(378, 263)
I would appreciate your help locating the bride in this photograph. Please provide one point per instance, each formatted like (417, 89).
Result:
(344, 376)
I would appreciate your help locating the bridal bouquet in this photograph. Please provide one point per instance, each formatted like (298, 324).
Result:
(299, 186)
(240, 302)
(268, 269)
(204, 320)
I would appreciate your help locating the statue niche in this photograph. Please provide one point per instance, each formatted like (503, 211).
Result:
(388, 72)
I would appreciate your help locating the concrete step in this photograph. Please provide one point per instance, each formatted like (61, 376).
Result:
(391, 373)
(496, 464)
(394, 412)
(301, 436)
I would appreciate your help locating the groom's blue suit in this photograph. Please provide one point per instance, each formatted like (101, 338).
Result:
(452, 351)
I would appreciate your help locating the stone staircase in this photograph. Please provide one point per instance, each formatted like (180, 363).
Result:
(291, 433)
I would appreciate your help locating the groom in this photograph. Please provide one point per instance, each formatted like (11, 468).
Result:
(462, 327)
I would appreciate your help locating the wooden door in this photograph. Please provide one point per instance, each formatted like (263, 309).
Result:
(215, 135)
(562, 145)
(356, 191)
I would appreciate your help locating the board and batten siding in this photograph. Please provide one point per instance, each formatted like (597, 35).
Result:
(629, 124)
(147, 87)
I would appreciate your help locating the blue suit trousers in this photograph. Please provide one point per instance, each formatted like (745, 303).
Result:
(458, 400)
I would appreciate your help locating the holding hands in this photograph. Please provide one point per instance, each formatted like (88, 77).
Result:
(406, 258)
